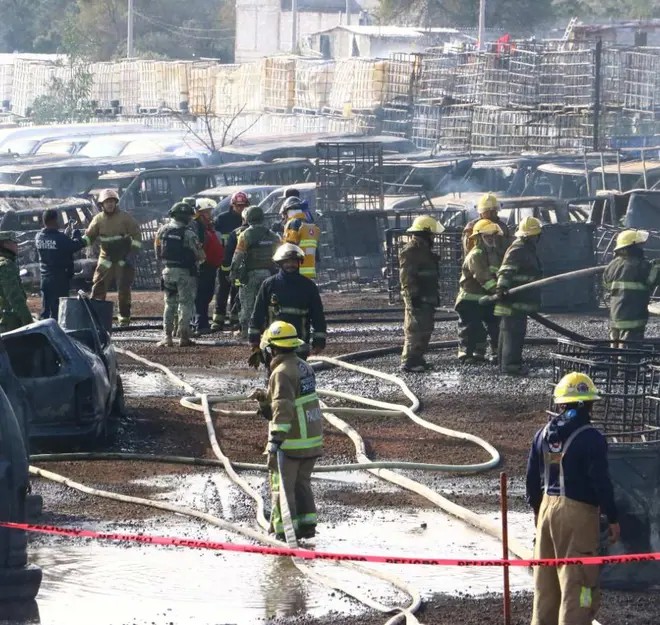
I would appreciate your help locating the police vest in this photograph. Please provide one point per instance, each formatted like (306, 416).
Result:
(260, 247)
(175, 252)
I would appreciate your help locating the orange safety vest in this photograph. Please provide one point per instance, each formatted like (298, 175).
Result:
(306, 236)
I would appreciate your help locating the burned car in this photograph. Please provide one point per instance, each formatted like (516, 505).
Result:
(69, 372)
(23, 216)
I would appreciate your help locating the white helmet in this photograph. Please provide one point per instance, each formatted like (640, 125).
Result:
(288, 250)
(204, 204)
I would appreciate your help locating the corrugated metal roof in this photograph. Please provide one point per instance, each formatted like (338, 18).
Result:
(392, 32)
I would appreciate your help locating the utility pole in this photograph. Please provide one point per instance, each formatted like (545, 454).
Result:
(294, 26)
(482, 23)
(129, 46)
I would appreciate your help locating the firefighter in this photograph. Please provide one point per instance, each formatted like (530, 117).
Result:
(488, 207)
(303, 232)
(296, 430)
(225, 224)
(253, 262)
(56, 251)
(479, 278)
(119, 234)
(210, 268)
(568, 486)
(630, 279)
(418, 271)
(520, 266)
(178, 247)
(292, 297)
(14, 312)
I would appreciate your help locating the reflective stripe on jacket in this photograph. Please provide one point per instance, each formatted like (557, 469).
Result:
(520, 266)
(118, 233)
(479, 274)
(306, 236)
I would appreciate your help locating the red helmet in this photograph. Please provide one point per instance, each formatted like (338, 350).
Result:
(240, 198)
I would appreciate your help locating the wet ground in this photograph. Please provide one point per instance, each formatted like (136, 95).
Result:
(116, 584)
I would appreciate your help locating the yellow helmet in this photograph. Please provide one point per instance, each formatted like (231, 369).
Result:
(485, 226)
(529, 227)
(575, 387)
(426, 223)
(487, 202)
(280, 334)
(631, 237)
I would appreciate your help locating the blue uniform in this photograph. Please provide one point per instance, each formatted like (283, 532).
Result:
(56, 252)
(583, 463)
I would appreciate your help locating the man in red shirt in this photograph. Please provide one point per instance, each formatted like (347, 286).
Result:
(208, 270)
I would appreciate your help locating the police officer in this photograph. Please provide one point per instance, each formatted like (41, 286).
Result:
(56, 252)
(488, 208)
(179, 248)
(253, 261)
(630, 279)
(568, 486)
(225, 224)
(292, 297)
(210, 268)
(418, 271)
(14, 312)
(296, 430)
(479, 278)
(119, 234)
(520, 266)
(300, 230)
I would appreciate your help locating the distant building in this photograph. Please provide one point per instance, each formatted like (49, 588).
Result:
(263, 27)
(379, 41)
(632, 33)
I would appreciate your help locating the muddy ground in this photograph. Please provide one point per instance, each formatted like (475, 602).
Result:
(504, 411)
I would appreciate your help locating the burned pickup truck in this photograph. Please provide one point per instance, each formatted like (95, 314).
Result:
(69, 374)
(23, 216)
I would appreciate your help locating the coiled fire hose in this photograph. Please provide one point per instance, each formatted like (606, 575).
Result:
(206, 404)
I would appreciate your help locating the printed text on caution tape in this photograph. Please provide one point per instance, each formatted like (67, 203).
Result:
(308, 554)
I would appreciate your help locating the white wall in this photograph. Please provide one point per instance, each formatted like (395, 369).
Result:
(262, 29)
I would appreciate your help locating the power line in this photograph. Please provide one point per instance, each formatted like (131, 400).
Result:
(157, 22)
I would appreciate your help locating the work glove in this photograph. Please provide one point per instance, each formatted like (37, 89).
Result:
(259, 394)
(256, 358)
(272, 449)
(501, 292)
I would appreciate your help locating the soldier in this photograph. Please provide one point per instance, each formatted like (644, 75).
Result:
(119, 234)
(179, 248)
(488, 209)
(418, 270)
(520, 266)
(225, 224)
(210, 268)
(291, 297)
(14, 312)
(303, 232)
(479, 278)
(253, 262)
(295, 439)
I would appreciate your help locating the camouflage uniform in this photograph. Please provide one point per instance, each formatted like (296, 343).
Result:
(418, 269)
(14, 312)
(180, 272)
(252, 265)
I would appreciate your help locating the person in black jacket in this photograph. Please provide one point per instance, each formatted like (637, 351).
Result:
(225, 224)
(568, 487)
(291, 297)
(56, 252)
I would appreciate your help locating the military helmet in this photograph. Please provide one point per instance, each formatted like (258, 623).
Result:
(8, 235)
(254, 215)
(182, 210)
(280, 334)
(485, 226)
(575, 387)
(287, 251)
(631, 237)
(426, 223)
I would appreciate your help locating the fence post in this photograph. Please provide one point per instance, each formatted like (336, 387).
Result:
(505, 547)
(598, 57)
